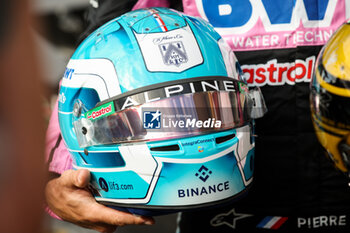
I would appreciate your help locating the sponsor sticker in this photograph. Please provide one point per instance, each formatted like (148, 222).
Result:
(103, 184)
(177, 122)
(100, 112)
(152, 119)
(203, 173)
(174, 51)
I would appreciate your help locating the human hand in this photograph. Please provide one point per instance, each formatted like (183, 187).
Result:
(68, 197)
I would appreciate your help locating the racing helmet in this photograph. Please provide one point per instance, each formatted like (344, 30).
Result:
(330, 98)
(153, 103)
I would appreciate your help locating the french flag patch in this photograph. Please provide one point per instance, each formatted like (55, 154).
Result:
(272, 222)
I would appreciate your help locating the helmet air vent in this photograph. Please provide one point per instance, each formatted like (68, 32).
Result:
(223, 139)
(174, 147)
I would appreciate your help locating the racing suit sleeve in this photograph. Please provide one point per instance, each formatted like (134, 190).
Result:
(57, 156)
(174, 4)
(151, 3)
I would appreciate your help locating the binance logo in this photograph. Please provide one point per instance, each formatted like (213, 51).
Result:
(203, 173)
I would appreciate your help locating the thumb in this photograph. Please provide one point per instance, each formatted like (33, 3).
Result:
(76, 178)
(82, 178)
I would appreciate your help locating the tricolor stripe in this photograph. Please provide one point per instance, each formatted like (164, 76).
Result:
(272, 222)
(158, 20)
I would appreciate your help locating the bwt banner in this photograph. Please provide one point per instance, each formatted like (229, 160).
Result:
(266, 24)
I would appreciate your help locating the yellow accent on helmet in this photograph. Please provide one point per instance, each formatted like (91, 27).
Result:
(331, 88)
(336, 59)
(329, 137)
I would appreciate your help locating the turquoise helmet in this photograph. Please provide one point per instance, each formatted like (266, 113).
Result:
(153, 103)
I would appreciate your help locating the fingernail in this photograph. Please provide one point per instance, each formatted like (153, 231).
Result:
(146, 221)
(149, 222)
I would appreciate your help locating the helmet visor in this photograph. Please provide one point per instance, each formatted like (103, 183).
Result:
(175, 117)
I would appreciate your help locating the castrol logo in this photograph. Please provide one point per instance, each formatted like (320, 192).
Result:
(100, 113)
(277, 74)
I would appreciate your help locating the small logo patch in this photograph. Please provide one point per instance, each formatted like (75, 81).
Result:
(272, 222)
(173, 53)
(200, 149)
(103, 184)
(229, 219)
(203, 173)
(100, 112)
(152, 119)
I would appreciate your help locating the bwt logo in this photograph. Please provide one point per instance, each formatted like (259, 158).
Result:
(152, 119)
(225, 14)
(203, 173)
